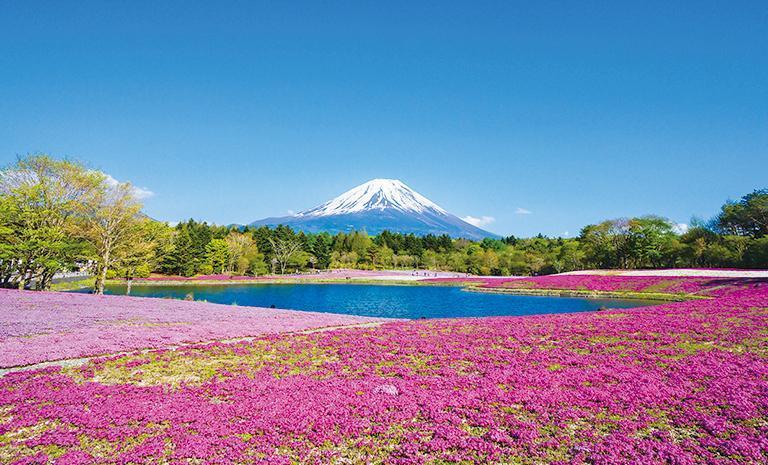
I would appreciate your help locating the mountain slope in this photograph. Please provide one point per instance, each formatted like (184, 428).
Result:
(377, 205)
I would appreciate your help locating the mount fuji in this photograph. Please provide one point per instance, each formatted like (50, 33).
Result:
(378, 205)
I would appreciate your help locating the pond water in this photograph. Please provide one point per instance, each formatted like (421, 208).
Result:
(379, 300)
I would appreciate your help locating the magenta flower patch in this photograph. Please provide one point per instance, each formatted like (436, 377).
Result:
(680, 383)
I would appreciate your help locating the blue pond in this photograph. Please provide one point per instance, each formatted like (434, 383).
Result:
(379, 300)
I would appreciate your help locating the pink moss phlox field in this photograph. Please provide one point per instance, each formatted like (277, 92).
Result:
(679, 383)
(44, 326)
(648, 284)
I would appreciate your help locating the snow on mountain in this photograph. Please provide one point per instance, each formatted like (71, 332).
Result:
(378, 205)
(377, 194)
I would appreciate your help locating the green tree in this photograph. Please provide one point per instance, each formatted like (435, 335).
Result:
(756, 255)
(651, 242)
(747, 217)
(181, 259)
(321, 249)
(606, 244)
(151, 241)
(240, 250)
(42, 199)
(112, 226)
(284, 250)
(217, 255)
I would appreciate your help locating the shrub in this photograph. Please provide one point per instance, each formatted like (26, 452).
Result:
(206, 268)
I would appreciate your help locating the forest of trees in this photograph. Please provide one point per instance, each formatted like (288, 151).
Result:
(57, 215)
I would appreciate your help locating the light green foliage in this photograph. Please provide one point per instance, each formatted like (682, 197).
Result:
(112, 225)
(42, 200)
(56, 215)
(217, 255)
(144, 253)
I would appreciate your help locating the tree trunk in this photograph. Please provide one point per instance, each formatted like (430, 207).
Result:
(47, 279)
(25, 277)
(128, 286)
(100, 281)
(102, 273)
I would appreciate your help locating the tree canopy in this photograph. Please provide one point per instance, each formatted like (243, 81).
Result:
(58, 216)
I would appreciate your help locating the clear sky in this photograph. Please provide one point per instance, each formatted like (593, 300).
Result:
(234, 111)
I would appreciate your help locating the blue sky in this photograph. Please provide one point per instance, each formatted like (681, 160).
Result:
(234, 111)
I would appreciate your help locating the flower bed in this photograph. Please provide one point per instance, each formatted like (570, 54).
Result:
(680, 383)
(603, 283)
(43, 326)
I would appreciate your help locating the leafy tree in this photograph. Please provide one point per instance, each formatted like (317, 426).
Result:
(217, 255)
(651, 242)
(57, 215)
(240, 250)
(181, 260)
(747, 217)
(112, 226)
(8, 219)
(430, 259)
(569, 257)
(321, 249)
(152, 240)
(386, 256)
(284, 249)
(756, 255)
(41, 199)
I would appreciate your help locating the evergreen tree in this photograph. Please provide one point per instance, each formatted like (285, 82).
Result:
(321, 249)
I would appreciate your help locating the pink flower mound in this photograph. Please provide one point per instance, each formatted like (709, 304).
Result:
(682, 383)
(44, 326)
(650, 284)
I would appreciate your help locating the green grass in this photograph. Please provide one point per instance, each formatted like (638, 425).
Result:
(632, 295)
(72, 285)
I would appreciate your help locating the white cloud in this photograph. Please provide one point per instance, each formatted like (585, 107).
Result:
(139, 192)
(566, 233)
(522, 211)
(479, 221)
(680, 228)
(291, 212)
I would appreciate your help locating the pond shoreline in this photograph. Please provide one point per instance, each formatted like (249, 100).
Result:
(465, 285)
(588, 294)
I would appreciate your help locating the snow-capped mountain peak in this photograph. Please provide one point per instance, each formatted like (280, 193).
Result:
(377, 194)
(379, 205)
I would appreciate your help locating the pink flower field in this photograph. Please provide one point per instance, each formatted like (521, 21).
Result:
(603, 283)
(43, 326)
(679, 383)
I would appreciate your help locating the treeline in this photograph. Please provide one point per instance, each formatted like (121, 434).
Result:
(737, 237)
(58, 216)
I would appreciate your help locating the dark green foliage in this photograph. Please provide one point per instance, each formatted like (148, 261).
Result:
(182, 258)
(321, 249)
(643, 242)
(747, 217)
(39, 237)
